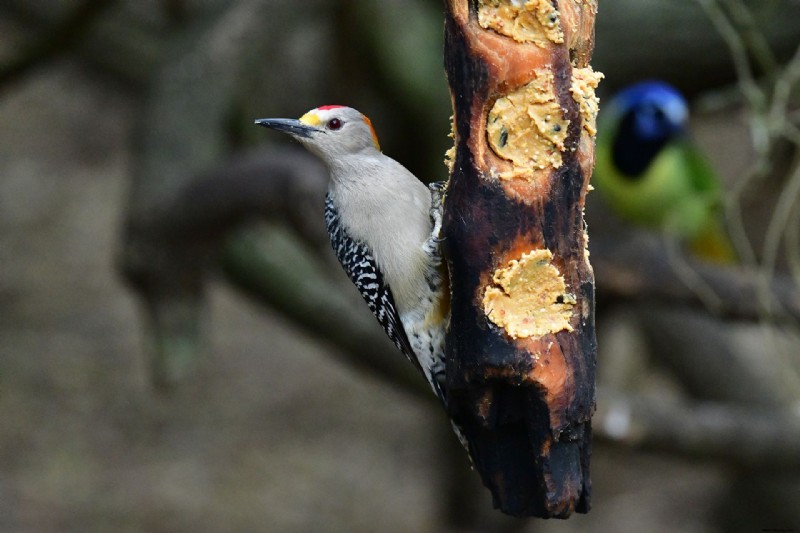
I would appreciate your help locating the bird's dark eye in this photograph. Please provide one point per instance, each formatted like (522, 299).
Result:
(334, 124)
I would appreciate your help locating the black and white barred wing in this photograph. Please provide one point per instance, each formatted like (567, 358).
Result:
(358, 262)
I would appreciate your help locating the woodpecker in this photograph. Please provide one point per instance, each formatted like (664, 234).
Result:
(384, 226)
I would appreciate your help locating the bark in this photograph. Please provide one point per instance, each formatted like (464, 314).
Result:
(521, 385)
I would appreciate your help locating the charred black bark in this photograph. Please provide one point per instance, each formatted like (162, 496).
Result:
(531, 445)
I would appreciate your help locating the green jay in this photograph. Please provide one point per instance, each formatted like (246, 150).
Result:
(651, 174)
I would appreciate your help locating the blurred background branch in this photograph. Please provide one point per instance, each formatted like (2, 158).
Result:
(57, 39)
(705, 431)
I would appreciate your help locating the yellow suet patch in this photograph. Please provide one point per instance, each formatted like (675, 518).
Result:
(450, 153)
(584, 83)
(528, 128)
(533, 21)
(529, 297)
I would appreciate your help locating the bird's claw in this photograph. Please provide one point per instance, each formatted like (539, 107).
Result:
(437, 189)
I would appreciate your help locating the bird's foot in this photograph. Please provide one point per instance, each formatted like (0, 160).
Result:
(437, 189)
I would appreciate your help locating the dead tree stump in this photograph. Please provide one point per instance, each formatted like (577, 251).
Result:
(521, 343)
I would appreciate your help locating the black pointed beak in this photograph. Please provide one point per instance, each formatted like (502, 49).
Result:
(287, 125)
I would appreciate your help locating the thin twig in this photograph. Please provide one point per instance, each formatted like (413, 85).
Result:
(693, 280)
(777, 225)
(752, 37)
(792, 243)
(768, 125)
(785, 84)
(755, 98)
(741, 61)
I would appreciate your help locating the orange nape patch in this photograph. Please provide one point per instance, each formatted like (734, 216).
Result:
(374, 135)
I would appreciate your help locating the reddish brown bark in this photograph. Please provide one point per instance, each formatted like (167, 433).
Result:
(525, 403)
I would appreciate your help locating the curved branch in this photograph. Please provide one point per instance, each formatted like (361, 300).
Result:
(706, 430)
(637, 266)
(209, 224)
(271, 267)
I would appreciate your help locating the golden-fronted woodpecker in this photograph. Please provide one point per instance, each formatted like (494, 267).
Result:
(384, 227)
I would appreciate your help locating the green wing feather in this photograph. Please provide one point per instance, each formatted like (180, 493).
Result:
(678, 194)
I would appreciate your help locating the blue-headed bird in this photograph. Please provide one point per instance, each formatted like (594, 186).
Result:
(651, 174)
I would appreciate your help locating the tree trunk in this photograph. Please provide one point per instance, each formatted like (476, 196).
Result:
(521, 344)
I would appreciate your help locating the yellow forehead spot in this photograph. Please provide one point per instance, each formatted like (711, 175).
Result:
(311, 119)
(374, 135)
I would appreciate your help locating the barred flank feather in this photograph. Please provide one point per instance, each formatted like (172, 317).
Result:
(358, 262)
